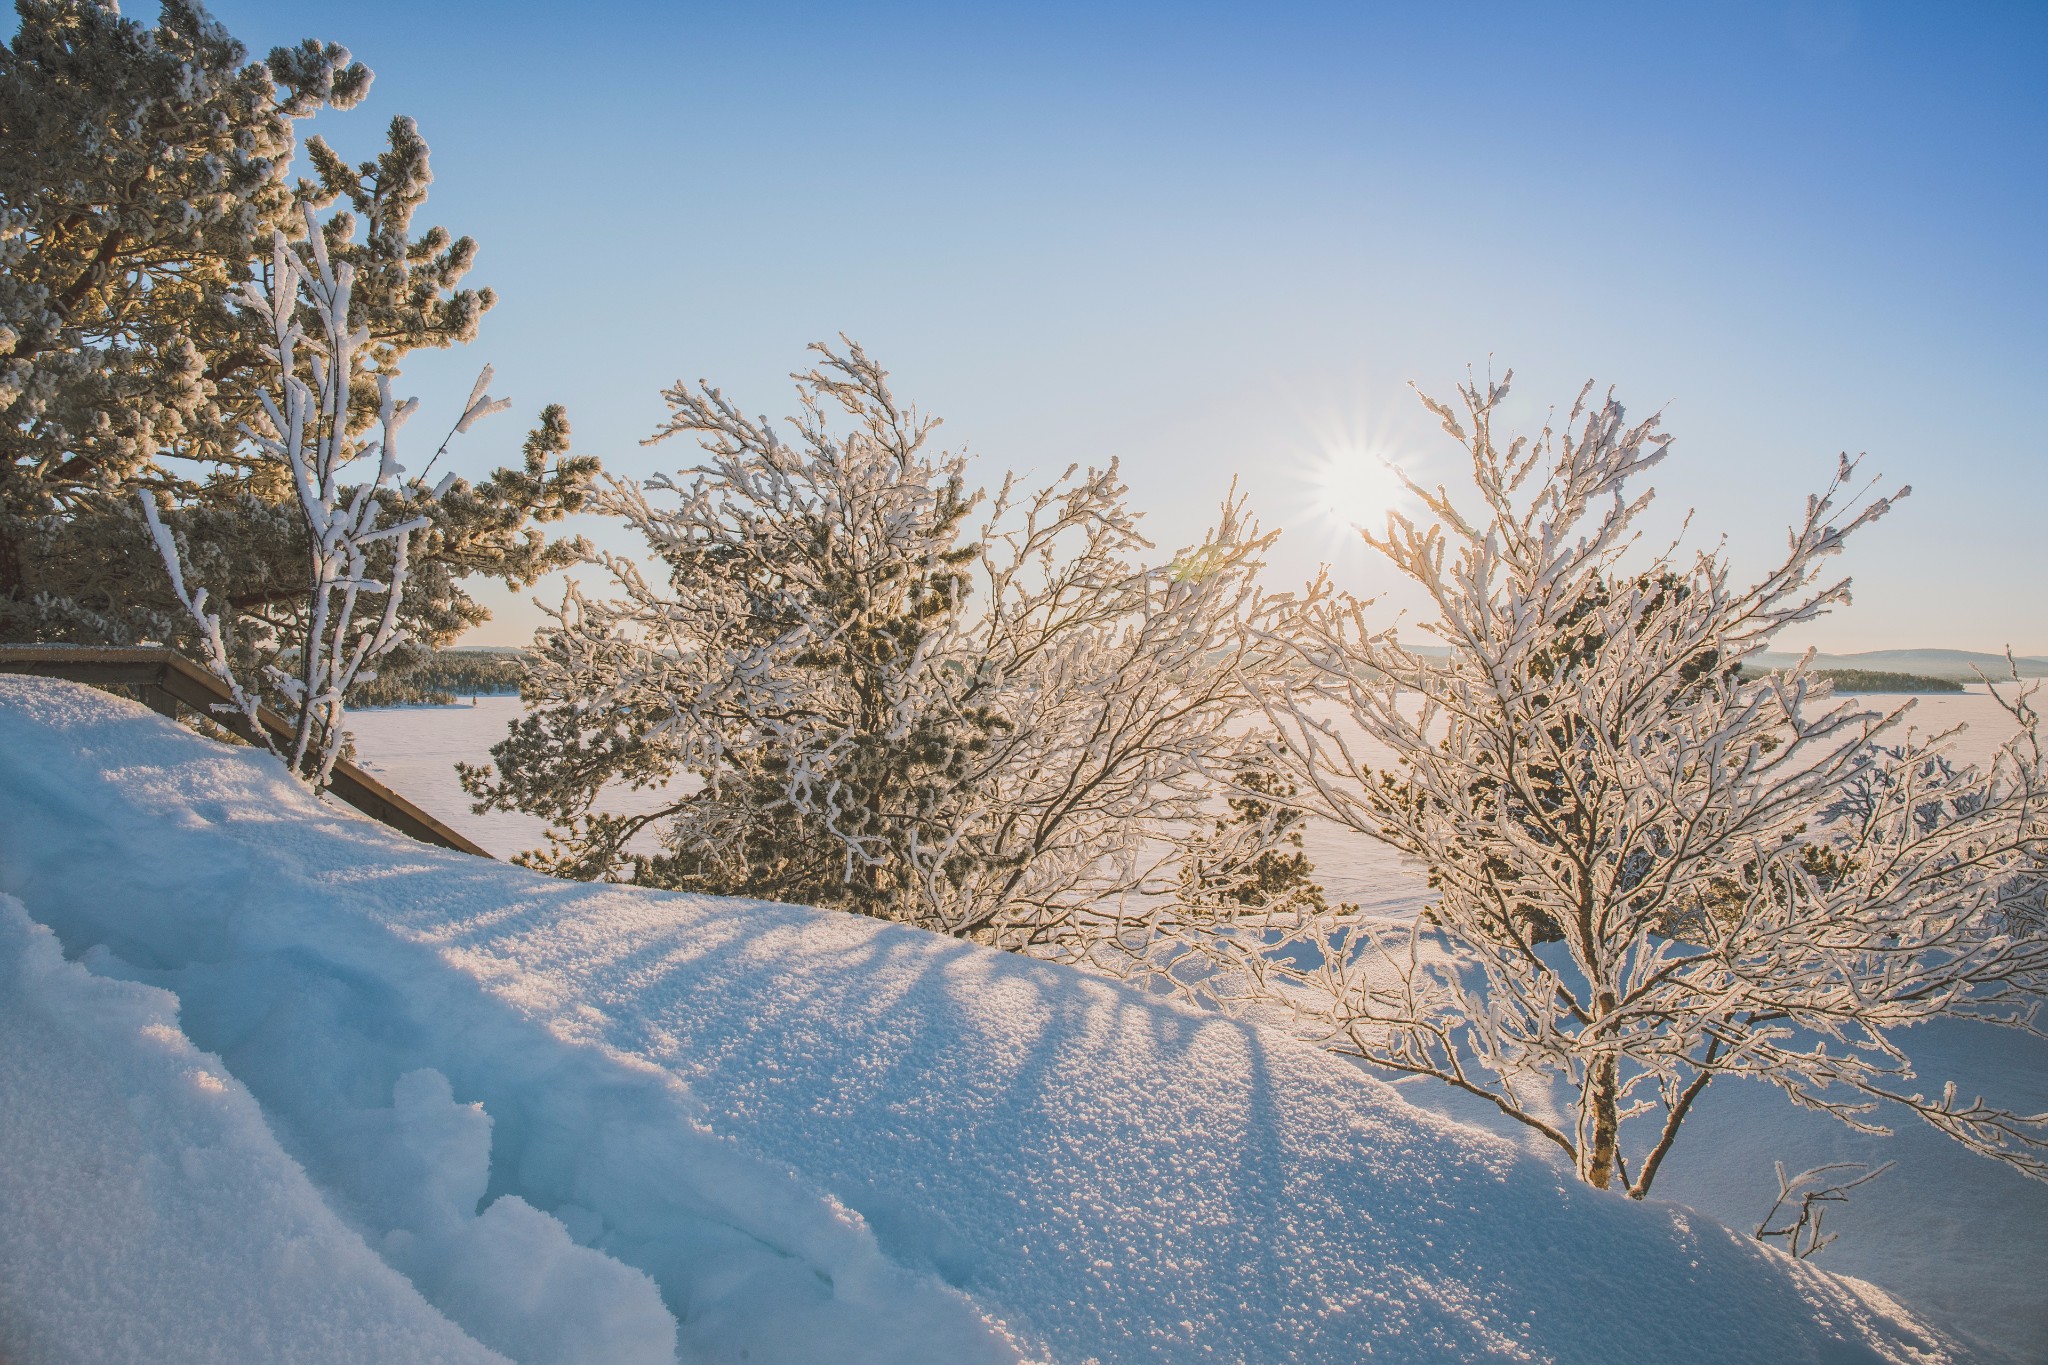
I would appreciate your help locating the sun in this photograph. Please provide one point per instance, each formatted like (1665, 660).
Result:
(1345, 474)
(1352, 489)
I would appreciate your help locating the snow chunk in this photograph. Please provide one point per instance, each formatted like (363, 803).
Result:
(512, 1277)
(149, 1214)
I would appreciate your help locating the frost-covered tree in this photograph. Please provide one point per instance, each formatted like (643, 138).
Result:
(358, 538)
(1650, 871)
(1251, 862)
(143, 172)
(1001, 733)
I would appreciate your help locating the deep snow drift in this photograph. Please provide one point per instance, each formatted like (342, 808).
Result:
(569, 1122)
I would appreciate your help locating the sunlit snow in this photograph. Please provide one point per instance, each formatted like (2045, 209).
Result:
(451, 1105)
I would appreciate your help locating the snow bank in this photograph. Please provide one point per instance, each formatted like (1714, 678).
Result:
(818, 1138)
(1963, 1239)
(149, 1214)
(1959, 1238)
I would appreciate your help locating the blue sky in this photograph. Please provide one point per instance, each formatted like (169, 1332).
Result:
(1222, 240)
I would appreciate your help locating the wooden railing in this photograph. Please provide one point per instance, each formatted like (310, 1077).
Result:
(166, 681)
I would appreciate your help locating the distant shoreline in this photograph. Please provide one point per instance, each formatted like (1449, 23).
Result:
(1956, 665)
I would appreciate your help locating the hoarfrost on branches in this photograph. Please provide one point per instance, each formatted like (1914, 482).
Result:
(1004, 736)
(1651, 870)
(144, 171)
(1813, 1190)
(307, 427)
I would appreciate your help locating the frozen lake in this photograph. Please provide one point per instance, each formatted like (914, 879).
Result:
(414, 750)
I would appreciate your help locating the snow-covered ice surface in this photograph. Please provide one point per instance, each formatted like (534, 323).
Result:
(592, 1123)
(414, 749)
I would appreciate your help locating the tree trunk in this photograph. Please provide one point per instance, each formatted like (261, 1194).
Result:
(1599, 1122)
(13, 584)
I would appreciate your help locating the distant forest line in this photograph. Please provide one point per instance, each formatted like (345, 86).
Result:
(1873, 679)
(447, 676)
(1878, 680)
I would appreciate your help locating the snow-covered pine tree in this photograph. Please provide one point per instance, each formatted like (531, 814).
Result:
(1650, 871)
(143, 172)
(1000, 735)
(1253, 861)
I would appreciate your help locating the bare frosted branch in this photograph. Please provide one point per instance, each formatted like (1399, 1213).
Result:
(307, 427)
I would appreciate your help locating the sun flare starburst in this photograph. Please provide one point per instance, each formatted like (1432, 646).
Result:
(1355, 488)
(1348, 475)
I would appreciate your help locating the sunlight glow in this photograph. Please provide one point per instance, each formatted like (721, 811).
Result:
(1345, 475)
(1353, 489)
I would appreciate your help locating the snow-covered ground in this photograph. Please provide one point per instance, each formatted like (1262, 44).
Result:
(285, 1085)
(1958, 1237)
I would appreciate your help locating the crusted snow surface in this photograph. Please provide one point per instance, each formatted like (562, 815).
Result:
(593, 1123)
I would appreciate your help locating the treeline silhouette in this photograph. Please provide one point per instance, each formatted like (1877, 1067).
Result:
(445, 677)
(1877, 680)
(1874, 680)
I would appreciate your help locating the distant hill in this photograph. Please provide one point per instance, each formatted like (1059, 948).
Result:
(1960, 664)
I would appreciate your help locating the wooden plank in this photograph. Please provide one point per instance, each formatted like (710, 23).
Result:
(379, 802)
(168, 679)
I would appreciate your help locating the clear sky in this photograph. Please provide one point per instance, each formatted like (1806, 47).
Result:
(1220, 240)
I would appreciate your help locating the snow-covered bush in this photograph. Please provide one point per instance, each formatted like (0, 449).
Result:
(1002, 735)
(1650, 870)
(328, 634)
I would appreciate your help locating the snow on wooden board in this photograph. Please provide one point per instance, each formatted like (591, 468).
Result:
(818, 1137)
